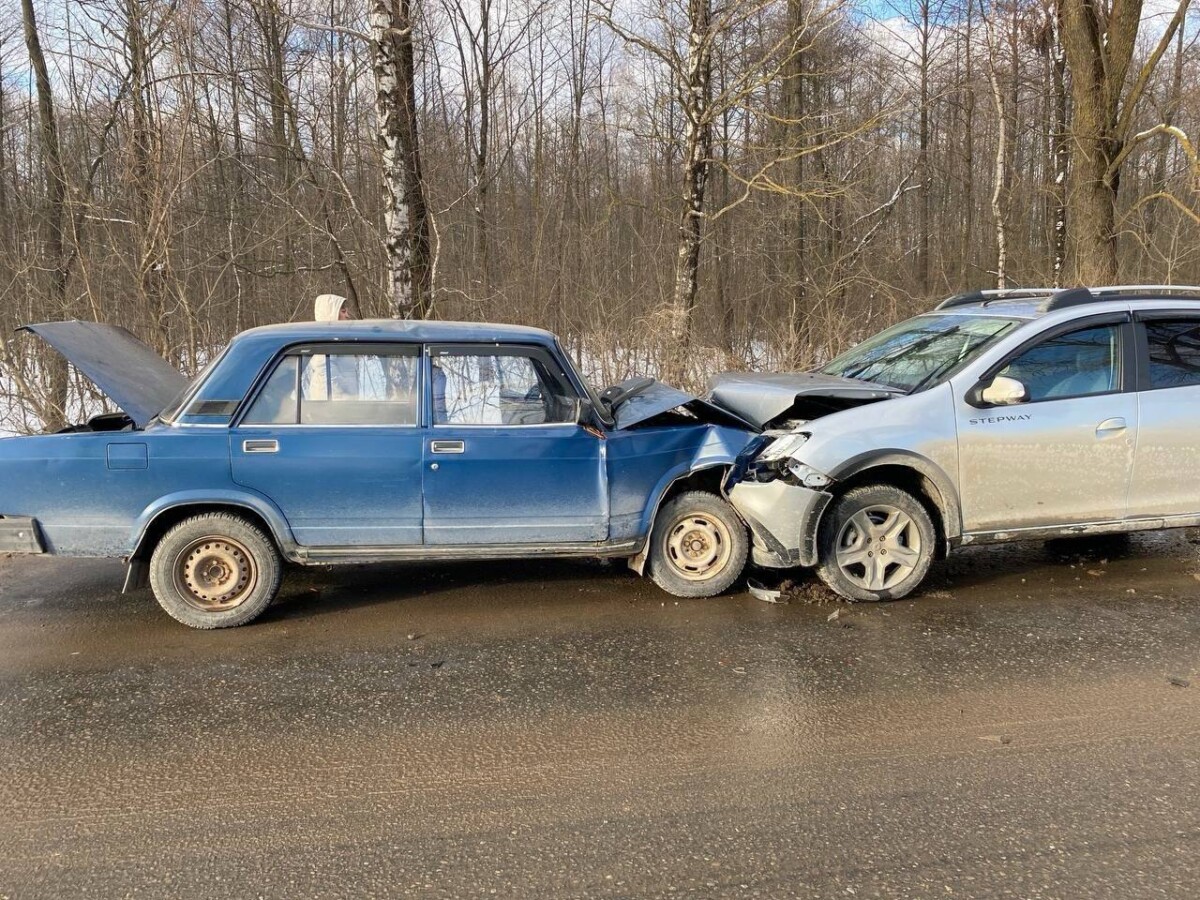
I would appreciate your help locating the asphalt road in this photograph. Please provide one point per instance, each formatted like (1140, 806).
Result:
(1027, 728)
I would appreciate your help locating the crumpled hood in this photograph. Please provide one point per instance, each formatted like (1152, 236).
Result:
(765, 399)
(660, 398)
(136, 378)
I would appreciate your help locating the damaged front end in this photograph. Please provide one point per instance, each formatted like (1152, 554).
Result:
(781, 499)
(778, 495)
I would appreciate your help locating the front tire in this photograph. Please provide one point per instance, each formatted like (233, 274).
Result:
(698, 546)
(215, 570)
(877, 542)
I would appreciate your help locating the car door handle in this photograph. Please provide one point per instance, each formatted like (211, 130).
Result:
(447, 447)
(1110, 426)
(260, 446)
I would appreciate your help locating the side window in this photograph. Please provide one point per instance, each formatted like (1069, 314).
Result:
(1075, 364)
(343, 387)
(498, 387)
(1174, 353)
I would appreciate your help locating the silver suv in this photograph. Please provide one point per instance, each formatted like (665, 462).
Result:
(998, 416)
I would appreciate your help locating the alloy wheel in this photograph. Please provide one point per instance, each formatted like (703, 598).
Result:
(878, 547)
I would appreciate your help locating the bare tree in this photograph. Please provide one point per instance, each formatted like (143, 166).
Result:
(52, 404)
(405, 212)
(1100, 40)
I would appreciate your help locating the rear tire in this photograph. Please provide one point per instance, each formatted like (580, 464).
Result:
(698, 546)
(215, 570)
(876, 542)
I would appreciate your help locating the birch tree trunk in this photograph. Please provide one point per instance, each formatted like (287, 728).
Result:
(968, 138)
(1000, 174)
(696, 98)
(405, 213)
(1059, 148)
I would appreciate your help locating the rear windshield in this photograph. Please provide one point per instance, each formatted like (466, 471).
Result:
(920, 352)
(175, 409)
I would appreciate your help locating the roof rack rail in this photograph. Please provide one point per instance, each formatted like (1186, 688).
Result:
(1060, 298)
(972, 297)
(1080, 295)
(1148, 288)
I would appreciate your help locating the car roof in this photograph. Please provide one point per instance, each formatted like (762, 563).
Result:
(417, 331)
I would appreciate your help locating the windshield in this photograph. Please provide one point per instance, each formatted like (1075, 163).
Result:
(920, 352)
(592, 396)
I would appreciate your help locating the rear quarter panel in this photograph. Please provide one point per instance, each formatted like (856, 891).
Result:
(88, 491)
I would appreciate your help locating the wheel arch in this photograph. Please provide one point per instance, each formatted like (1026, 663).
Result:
(921, 477)
(708, 477)
(163, 515)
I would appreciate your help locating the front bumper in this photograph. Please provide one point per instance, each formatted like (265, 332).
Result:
(20, 534)
(783, 520)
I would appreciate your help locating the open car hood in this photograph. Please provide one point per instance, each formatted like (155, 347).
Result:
(136, 378)
(661, 398)
(765, 400)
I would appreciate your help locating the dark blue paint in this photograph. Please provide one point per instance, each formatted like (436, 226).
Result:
(96, 494)
(515, 485)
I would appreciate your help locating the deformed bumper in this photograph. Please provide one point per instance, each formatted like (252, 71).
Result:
(20, 534)
(783, 519)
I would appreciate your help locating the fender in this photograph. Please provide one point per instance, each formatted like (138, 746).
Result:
(137, 571)
(949, 504)
(638, 562)
(245, 499)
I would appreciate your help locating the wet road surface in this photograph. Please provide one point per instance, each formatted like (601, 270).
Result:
(1027, 728)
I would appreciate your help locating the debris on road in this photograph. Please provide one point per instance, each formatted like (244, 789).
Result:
(760, 591)
(833, 615)
(1178, 681)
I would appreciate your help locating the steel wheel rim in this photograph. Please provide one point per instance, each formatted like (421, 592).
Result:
(878, 547)
(215, 573)
(698, 546)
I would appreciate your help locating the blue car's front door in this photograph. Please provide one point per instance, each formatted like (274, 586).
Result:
(334, 438)
(505, 460)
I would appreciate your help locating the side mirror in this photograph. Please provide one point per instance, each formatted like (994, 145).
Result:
(1003, 391)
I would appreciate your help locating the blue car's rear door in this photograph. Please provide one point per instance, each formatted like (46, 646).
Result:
(334, 438)
(505, 460)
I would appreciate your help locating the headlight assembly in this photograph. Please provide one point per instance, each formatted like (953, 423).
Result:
(783, 447)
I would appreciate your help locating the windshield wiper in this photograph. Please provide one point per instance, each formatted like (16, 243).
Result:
(900, 351)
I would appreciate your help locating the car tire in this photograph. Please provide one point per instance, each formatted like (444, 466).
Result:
(876, 542)
(698, 545)
(215, 570)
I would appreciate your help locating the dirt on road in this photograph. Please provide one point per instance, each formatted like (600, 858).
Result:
(1027, 727)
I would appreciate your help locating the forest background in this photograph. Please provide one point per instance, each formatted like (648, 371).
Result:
(676, 187)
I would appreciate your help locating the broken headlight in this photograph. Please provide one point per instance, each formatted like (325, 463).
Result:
(783, 447)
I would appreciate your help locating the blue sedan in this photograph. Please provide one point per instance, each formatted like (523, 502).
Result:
(353, 442)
